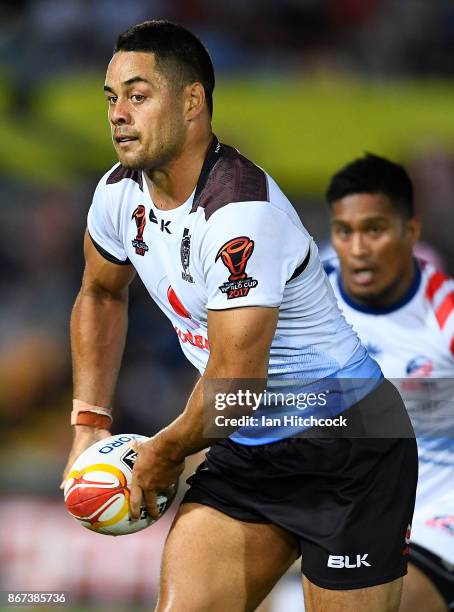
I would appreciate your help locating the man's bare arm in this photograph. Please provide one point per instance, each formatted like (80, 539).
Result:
(98, 327)
(98, 331)
(240, 341)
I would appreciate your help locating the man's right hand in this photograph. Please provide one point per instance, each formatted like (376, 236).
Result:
(84, 437)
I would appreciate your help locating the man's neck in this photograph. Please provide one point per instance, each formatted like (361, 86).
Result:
(171, 186)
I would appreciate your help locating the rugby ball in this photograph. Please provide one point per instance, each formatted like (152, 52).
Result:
(97, 487)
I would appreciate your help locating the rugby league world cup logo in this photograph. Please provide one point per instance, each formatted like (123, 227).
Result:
(139, 216)
(234, 255)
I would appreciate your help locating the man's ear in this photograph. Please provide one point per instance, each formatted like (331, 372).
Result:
(413, 227)
(194, 100)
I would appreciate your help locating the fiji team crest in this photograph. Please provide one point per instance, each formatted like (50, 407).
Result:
(185, 252)
(234, 255)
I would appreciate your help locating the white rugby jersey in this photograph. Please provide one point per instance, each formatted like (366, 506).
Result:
(413, 341)
(237, 241)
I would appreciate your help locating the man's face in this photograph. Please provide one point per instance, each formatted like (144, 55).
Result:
(374, 244)
(145, 112)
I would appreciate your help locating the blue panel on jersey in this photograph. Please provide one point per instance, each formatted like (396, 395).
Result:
(335, 393)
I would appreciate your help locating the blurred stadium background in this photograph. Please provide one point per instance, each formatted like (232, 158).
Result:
(303, 86)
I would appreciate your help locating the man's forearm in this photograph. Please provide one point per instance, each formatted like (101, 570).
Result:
(194, 429)
(185, 436)
(98, 334)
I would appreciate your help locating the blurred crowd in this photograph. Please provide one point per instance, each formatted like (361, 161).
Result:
(42, 227)
(413, 36)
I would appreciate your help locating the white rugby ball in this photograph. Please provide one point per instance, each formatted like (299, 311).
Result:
(97, 488)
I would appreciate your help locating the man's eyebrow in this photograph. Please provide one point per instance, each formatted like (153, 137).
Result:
(339, 222)
(365, 221)
(136, 79)
(376, 219)
(131, 81)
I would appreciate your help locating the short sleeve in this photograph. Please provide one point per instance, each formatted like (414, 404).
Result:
(103, 226)
(249, 252)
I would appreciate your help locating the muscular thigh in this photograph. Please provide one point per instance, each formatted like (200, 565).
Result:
(380, 598)
(214, 563)
(419, 592)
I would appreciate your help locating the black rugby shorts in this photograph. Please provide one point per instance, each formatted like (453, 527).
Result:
(348, 501)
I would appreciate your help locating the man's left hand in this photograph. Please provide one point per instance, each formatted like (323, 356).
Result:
(154, 472)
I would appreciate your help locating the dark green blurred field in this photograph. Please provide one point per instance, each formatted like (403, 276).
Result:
(299, 130)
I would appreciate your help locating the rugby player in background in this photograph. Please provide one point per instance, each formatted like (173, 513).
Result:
(403, 310)
(223, 253)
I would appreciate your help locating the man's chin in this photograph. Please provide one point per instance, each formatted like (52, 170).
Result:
(364, 294)
(131, 164)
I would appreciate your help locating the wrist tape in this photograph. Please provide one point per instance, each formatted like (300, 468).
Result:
(88, 414)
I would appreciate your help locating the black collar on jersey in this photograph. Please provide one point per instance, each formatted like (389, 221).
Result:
(375, 310)
(212, 156)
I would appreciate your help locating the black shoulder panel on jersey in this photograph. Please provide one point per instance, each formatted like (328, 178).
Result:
(227, 177)
(121, 172)
(108, 256)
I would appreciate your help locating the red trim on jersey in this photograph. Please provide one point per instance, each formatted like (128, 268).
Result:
(435, 282)
(452, 345)
(444, 310)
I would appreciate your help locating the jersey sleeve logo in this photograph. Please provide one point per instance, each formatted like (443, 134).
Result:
(235, 254)
(419, 367)
(139, 216)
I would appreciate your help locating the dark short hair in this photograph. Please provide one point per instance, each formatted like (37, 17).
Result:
(374, 174)
(180, 55)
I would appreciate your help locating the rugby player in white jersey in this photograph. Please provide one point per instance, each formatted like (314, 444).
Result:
(223, 253)
(403, 310)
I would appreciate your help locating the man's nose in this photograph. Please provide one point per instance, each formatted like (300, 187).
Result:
(119, 113)
(358, 244)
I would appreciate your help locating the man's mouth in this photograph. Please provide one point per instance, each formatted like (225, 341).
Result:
(363, 276)
(125, 139)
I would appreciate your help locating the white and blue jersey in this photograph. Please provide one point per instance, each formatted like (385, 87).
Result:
(413, 341)
(237, 241)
